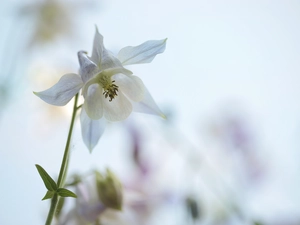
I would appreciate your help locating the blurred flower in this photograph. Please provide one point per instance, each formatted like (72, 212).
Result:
(87, 209)
(137, 150)
(52, 19)
(109, 90)
(193, 208)
(237, 136)
(137, 208)
(151, 180)
(90, 209)
(145, 195)
(109, 190)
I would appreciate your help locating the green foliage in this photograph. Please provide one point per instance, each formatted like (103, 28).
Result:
(48, 195)
(48, 181)
(65, 193)
(52, 186)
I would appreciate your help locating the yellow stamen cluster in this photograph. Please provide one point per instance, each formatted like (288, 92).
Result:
(111, 91)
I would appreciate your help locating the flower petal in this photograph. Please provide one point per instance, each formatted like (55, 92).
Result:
(103, 58)
(143, 53)
(93, 102)
(147, 105)
(112, 71)
(91, 130)
(109, 61)
(97, 48)
(63, 91)
(87, 67)
(87, 209)
(118, 109)
(131, 86)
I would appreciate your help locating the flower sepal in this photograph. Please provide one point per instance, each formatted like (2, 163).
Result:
(109, 190)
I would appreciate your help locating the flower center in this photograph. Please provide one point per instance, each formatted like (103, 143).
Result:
(103, 79)
(110, 90)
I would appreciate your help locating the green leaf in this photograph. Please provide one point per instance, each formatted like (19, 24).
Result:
(65, 193)
(48, 181)
(48, 195)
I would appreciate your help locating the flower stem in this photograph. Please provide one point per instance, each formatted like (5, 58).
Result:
(63, 167)
(52, 210)
(67, 149)
(79, 106)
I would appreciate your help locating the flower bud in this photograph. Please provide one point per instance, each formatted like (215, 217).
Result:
(109, 190)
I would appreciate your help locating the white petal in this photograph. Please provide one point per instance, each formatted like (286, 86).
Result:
(118, 109)
(97, 48)
(143, 53)
(87, 67)
(91, 130)
(109, 61)
(131, 86)
(113, 71)
(103, 58)
(147, 105)
(93, 102)
(63, 91)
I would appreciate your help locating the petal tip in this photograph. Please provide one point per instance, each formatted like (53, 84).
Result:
(80, 53)
(97, 31)
(96, 27)
(90, 146)
(37, 93)
(163, 116)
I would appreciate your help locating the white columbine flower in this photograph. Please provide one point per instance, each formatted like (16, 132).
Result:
(110, 91)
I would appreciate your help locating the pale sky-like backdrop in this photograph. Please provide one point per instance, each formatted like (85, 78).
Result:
(224, 59)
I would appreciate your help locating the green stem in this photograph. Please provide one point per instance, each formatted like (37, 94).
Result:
(52, 210)
(79, 106)
(67, 149)
(63, 167)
